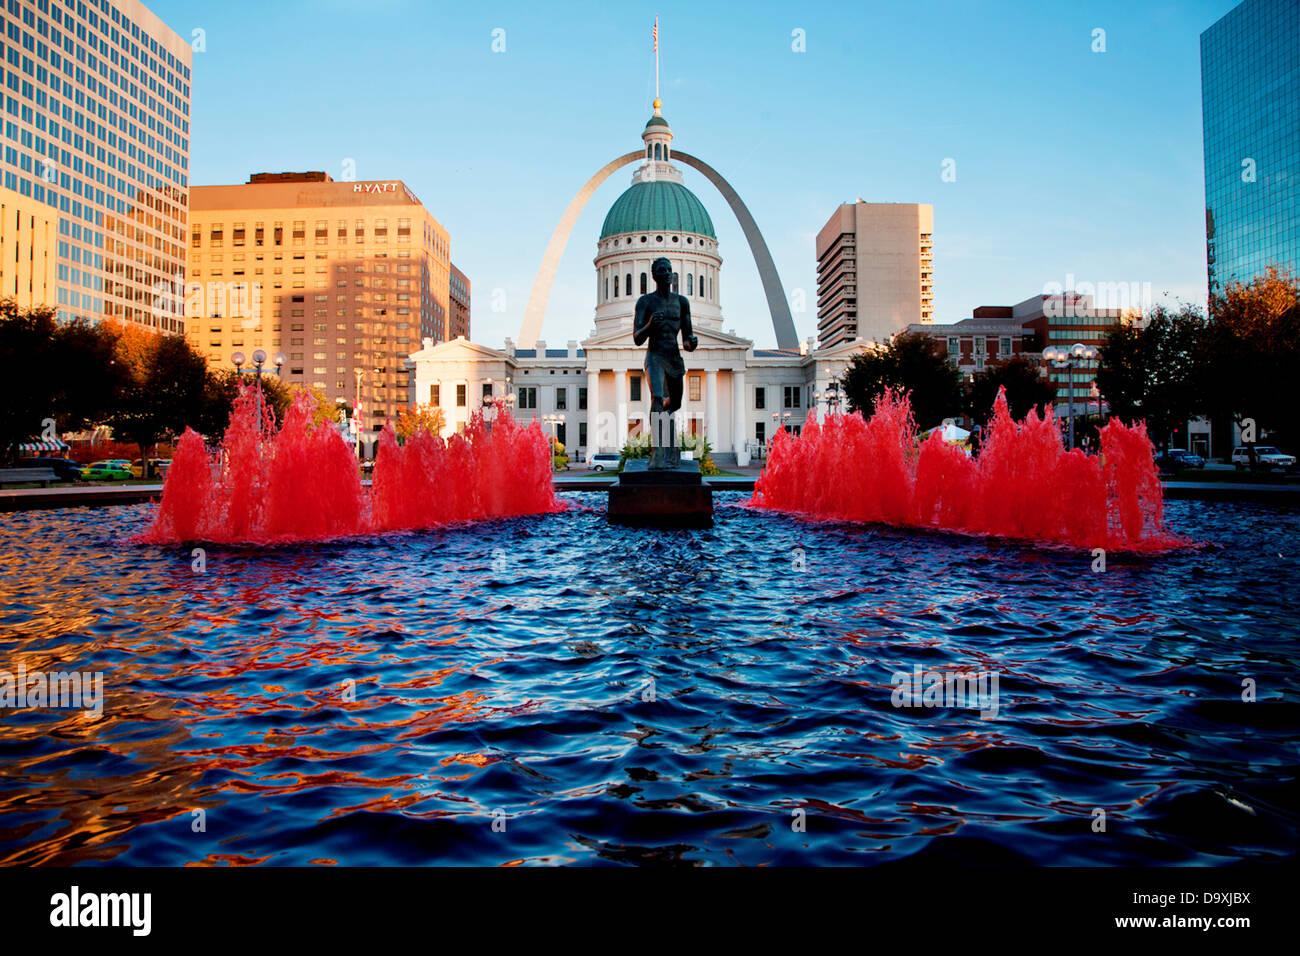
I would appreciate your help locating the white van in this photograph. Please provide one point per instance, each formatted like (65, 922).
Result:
(603, 461)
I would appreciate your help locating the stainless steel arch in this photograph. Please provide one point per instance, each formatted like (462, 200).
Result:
(535, 310)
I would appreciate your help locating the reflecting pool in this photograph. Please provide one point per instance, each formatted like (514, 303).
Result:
(553, 690)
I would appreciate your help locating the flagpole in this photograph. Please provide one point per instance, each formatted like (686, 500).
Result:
(656, 56)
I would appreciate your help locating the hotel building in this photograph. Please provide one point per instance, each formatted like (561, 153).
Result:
(459, 295)
(97, 130)
(345, 279)
(875, 271)
(1250, 87)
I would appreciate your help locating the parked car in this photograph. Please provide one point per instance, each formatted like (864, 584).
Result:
(1266, 456)
(1176, 458)
(65, 469)
(159, 465)
(604, 461)
(116, 469)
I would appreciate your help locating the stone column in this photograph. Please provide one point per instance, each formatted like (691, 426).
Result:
(711, 409)
(739, 417)
(620, 408)
(593, 410)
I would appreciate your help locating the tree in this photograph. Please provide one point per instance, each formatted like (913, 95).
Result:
(430, 418)
(165, 395)
(1156, 372)
(1026, 388)
(59, 375)
(219, 394)
(912, 362)
(1252, 355)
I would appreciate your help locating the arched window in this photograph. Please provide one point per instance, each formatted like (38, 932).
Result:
(627, 286)
(676, 283)
(710, 288)
(606, 287)
(700, 279)
(690, 290)
(649, 151)
(616, 285)
(643, 284)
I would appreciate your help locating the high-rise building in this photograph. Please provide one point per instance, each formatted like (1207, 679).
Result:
(1250, 94)
(341, 277)
(875, 271)
(459, 294)
(27, 250)
(97, 128)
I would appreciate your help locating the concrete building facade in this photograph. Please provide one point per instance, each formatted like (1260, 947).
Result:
(28, 231)
(97, 129)
(345, 279)
(875, 271)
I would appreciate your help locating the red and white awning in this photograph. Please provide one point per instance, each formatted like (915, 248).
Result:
(33, 447)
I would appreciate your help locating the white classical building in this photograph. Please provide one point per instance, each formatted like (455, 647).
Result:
(735, 395)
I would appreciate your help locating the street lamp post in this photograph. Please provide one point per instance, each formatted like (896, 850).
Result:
(259, 360)
(356, 411)
(1076, 356)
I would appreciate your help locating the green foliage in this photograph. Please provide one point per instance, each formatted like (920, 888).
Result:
(1157, 372)
(913, 362)
(164, 396)
(640, 446)
(62, 372)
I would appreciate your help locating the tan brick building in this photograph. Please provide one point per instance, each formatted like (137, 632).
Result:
(346, 279)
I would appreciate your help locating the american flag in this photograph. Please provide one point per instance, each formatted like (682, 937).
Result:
(656, 33)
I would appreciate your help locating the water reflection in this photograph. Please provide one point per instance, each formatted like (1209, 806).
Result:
(552, 690)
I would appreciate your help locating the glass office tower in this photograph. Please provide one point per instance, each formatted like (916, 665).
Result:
(97, 128)
(1250, 98)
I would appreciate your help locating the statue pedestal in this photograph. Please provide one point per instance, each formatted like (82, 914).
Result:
(672, 498)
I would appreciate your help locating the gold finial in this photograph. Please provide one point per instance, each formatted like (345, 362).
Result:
(658, 104)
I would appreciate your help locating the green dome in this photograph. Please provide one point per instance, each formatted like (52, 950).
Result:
(656, 121)
(657, 206)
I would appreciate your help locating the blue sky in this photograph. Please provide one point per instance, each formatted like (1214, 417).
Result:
(1068, 162)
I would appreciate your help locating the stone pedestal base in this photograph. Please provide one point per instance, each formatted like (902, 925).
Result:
(675, 498)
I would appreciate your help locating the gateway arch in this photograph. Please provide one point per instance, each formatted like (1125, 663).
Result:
(535, 311)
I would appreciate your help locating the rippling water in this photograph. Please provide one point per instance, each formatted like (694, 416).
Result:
(553, 690)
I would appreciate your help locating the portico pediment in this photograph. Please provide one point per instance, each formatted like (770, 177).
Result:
(709, 339)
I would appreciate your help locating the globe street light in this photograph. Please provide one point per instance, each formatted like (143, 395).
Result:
(259, 360)
(1076, 356)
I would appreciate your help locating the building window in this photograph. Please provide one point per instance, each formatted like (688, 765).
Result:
(528, 396)
(460, 396)
(954, 345)
(616, 286)
(561, 435)
(582, 401)
(643, 283)
(793, 398)
(694, 384)
(979, 345)
(582, 434)
(561, 398)
(634, 387)
(1004, 346)
(487, 390)
(690, 284)
(627, 286)
(760, 397)
(760, 432)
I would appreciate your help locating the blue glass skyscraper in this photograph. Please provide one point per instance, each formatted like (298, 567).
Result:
(1250, 105)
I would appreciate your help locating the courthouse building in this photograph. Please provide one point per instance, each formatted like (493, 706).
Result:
(734, 394)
